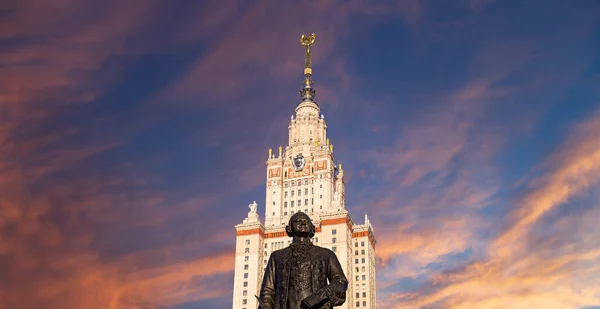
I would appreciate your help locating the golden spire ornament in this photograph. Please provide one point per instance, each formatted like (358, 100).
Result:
(307, 93)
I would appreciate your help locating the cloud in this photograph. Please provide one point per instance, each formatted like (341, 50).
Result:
(550, 271)
(81, 224)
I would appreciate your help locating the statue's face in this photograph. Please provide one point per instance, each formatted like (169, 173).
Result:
(301, 225)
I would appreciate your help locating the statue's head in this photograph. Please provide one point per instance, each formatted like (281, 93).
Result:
(300, 225)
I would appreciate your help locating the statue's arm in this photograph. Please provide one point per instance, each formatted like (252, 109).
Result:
(335, 291)
(267, 289)
(338, 283)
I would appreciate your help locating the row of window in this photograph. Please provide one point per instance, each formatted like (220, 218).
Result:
(305, 210)
(312, 171)
(364, 294)
(358, 304)
(299, 182)
(356, 261)
(364, 277)
(333, 240)
(291, 192)
(363, 269)
(312, 202)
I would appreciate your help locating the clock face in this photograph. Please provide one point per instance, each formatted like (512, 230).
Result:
(298, 162)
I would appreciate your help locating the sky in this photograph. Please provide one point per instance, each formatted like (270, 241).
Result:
(134, 134)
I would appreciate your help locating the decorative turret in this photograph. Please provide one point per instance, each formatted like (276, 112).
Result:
(307, 126)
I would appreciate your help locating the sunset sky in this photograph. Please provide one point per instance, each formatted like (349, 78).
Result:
(134, 134)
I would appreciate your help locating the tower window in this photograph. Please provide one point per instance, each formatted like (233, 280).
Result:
(245, 283)
(273, 203)
(305, 201)
(284, 204)
(333, 240)
(292, 203)
(247, 241)
(334, 231)
(299, 192)
(246, 267)
(299, 183)
(333, 249)
(247, 250)
(285, 194)
(306, 181)
(306, 191)
(299, 202)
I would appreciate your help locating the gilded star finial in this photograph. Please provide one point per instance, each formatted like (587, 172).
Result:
(307, 41)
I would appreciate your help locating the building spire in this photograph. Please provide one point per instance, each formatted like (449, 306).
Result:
(307, 93)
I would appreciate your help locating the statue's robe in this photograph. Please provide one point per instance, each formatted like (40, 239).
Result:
(321, 265)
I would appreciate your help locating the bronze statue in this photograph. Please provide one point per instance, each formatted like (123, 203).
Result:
(297, 277)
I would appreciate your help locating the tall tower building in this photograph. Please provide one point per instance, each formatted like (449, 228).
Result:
(305, 177)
